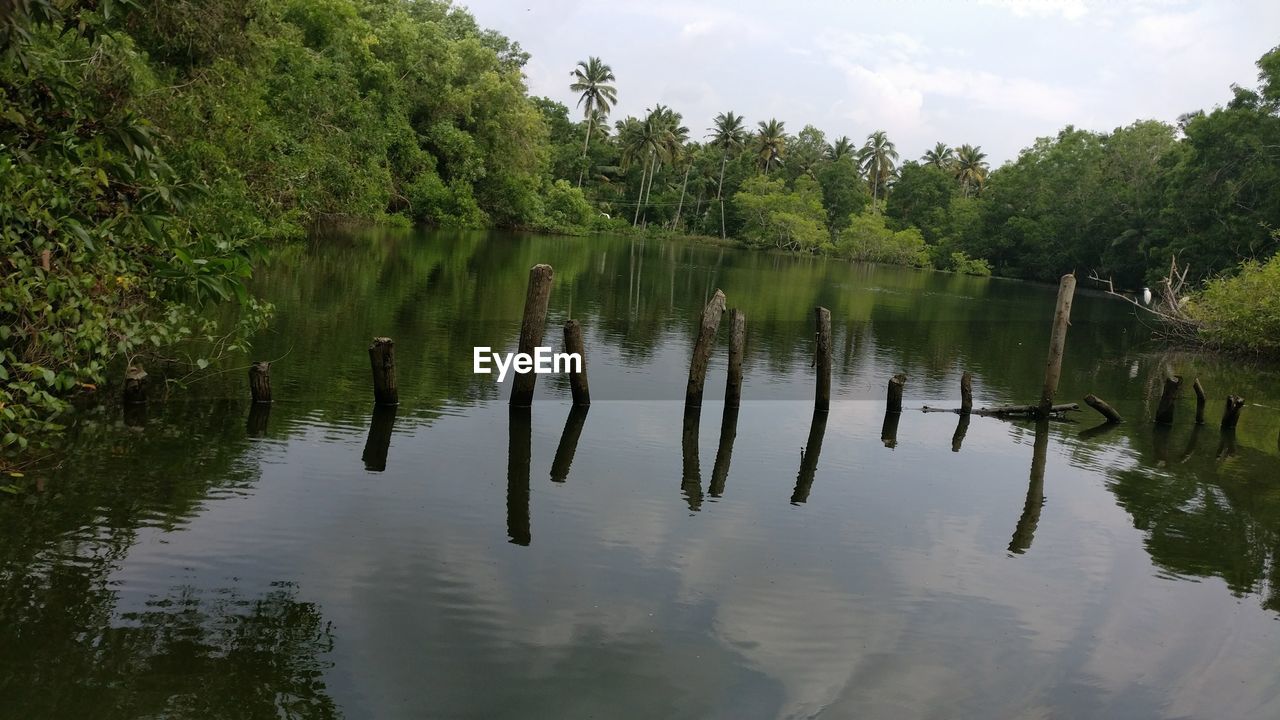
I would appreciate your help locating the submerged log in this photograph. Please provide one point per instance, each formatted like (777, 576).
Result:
(135, 385)
(1168, 400)
(822, 357)
(1009, 410)
(260, 381)
(1101, 406)
(577, 378)
(531, 329)
(896, 384)
(1057, 342)
(702, 348)
(737, 343)
(1231, 416)
(1200, 401)
(382, 358)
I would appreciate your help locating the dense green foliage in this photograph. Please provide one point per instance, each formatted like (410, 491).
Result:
(1242, 311)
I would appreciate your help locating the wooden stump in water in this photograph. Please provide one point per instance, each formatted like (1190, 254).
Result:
(1200, 401)
(822, 357)
(382, 358)
(577, 379)
(702, 349)
(1057, 342)
(260, 381)
(1231, 416)
(966, 393)
(737, 341)
(1168, 400)
(1101, 406)
(135, 385)
(531, 328)
(896, 384)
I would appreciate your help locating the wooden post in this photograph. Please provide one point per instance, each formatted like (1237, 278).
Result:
(724, 451)
(1168, 400)
(531, 327)
(1231, 416)
(702, 349)
(382, 358)
(1057, 342)
(896, 384)
(1101, 406)
(260, 381)
(135, 385)
(577, 380)
(1200, 401)
(966, 393)
(737, 341)
(822, 357)
(568, 446)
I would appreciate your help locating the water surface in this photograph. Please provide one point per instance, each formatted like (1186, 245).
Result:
(451, 559)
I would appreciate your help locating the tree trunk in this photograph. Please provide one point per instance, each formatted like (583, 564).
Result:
(1231, 416)
(585, 143)
(635, 219)
(1101, 406)
(724, 159)
(260, 382)
(1168, 400)
(679, 207)
(1057, 341)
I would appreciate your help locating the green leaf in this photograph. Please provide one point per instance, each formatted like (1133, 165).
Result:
(202, 363)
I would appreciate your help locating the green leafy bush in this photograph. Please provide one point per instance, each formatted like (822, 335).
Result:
(1242, 312)
(867, 239)
(566, 210)
(962, 263)
(775, 216)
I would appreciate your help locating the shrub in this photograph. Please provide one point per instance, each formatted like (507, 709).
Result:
(962, 263)
(1241, 312)
(773, 216)
(566, 209)
(867, 239)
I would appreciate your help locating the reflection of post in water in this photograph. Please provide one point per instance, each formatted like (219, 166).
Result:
(568, 442)
(690, 474)
(724, 452)
(1192, 442)
(256, 425)
(809, 457)
(889, 430)
(962, 428)
(519, 448)
(1227, 445)
(375, 447)
(1025, 532)
(1160, 437)
(135, 415)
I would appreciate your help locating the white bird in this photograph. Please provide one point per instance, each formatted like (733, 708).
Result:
(1146, 296)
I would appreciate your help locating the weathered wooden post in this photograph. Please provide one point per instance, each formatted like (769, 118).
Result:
(1168, 400)
(531, 327)
(519, 451)
(809, 458)
(1101, 406)
(1231, 416)
(135, 385)
(260, 381)
(1200, 401)
(724, 451)
(577, 379)
(702, 349)
(568, 446)
(822, 357)
(896, 384)
(737, 341)
(1025, 531)
(690, 472)
(1057, 343)
(966, 393)
(379, 440)
(382, 358)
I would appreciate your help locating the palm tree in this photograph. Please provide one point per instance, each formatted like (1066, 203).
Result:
(971, 168)
(877, 159)
(591, 81)
(658, 137)
(728, 134)
(940, 156)
(771, 143)
(840, 149)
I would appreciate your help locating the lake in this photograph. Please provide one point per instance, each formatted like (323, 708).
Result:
(451, 559)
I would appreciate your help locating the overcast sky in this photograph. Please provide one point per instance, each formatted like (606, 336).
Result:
(996, 73)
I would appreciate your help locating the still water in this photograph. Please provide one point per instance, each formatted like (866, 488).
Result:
(452, 560)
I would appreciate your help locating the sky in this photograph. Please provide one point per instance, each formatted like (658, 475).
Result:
(994, 73)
